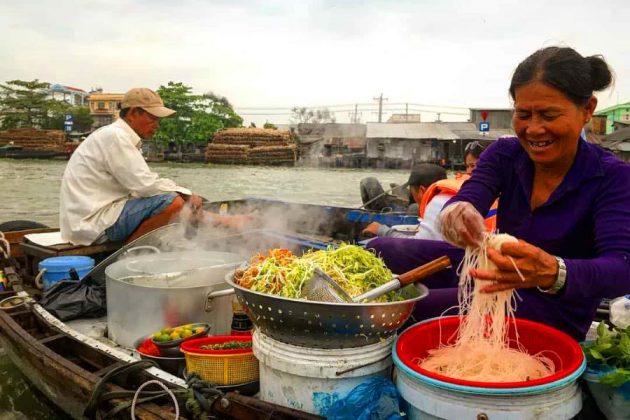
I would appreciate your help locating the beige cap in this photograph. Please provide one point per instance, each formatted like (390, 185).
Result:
(146, 99)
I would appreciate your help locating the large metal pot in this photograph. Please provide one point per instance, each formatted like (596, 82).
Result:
(148, 292)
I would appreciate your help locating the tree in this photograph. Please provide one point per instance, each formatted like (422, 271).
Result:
(81, 117)
(24, 104)
(27, 104)
(197, 117)
(303, 115)
(270, 125)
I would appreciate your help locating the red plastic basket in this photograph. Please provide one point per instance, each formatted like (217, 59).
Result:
(222, 367)
(416, 341)
(193, 346)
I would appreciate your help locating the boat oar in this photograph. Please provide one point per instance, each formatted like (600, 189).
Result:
(322, 288)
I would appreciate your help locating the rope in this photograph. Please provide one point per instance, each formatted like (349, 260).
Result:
(199, 394)
(168, 391)
(6, 247)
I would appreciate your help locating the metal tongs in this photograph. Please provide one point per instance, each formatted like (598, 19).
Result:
(322, 288)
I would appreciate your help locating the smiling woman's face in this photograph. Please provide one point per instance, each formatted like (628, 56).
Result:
(548, 124)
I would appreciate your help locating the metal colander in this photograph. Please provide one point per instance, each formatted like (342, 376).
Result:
(324, 324)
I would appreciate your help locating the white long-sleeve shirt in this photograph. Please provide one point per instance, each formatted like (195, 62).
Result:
(103, 173)
(428, 226)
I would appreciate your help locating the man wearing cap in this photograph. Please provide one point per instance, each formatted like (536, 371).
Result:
(422, 176)
(108, 192)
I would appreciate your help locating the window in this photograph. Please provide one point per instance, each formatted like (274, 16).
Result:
(101, 105)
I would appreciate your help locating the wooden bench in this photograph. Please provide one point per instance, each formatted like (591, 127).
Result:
(33, 253)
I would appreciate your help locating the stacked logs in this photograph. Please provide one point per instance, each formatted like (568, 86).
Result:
(33, 139)
(252, 146)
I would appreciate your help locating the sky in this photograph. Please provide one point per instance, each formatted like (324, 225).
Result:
(269, 56)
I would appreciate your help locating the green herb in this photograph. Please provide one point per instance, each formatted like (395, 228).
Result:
(610, 349)
(228, 345)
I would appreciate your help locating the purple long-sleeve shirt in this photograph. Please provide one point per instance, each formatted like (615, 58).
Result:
(586, 221)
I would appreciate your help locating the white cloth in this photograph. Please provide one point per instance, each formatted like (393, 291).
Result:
(103, 173)
(428, 228)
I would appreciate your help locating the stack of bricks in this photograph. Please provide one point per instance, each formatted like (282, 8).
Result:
(33, 139)
(252, 146)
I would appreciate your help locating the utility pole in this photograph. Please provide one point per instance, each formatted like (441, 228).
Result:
(380, 100)
(354, 116)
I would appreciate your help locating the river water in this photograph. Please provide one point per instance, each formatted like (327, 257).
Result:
(29, 191)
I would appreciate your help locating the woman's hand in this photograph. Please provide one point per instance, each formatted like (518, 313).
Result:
(462, 225)
(538, 268)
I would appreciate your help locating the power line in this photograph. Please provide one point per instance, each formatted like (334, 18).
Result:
(253, 108)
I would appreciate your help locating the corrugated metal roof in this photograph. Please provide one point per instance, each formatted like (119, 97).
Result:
(333, 130)
(622, 134)
(469, 131)
(432, 130)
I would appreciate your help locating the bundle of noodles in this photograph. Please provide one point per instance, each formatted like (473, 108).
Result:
(482, 351)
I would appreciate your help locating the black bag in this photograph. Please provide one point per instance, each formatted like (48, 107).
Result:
(74, 298)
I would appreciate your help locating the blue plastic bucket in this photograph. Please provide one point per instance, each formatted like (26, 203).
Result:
(56, 269)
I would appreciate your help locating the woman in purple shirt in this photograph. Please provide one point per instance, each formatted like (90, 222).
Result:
(567, 201)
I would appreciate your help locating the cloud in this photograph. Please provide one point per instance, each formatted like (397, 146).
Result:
(286, 53)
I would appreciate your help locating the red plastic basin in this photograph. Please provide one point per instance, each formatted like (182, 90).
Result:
(416, 341)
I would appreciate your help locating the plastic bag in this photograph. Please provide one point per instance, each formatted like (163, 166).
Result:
(376, 398)
(620, 312)
(74, 298)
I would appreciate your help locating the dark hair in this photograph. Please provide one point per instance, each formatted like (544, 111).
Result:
(564, 69)
(474, 148)
(123, 112)
(425, 174)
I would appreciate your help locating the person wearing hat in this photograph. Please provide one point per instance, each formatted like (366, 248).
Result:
(108, 192)
(422, 176)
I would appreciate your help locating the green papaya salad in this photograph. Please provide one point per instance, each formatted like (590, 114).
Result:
(282, 273)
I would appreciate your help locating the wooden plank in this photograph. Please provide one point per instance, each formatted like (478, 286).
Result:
(51, 338)
(67, 249)
(15, 239)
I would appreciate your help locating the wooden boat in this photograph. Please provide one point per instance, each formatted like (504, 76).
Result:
(17, 152)
(72, 369)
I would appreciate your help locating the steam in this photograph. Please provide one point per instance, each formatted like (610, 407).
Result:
(272, 225)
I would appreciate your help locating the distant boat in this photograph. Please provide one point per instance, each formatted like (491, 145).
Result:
(13, 151)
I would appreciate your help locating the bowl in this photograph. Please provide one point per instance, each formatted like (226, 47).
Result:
(173, 345)
(173, 364)
(13, 303)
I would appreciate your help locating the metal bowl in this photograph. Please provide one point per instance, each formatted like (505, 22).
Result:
(173, 364)
(13, 304)
(323, 324)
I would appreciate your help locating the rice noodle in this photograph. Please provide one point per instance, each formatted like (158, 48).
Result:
(482, 351)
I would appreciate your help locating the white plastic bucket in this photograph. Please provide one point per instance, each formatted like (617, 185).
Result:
(609, 399)
(311, 379)
(430, 402)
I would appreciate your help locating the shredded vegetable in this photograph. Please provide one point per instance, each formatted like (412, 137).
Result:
(282, 273)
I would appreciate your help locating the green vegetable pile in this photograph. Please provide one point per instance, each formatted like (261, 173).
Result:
(282, 273)
(610, 349)
(228, 345)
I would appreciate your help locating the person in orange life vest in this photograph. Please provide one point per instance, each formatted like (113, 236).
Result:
(421, 178)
